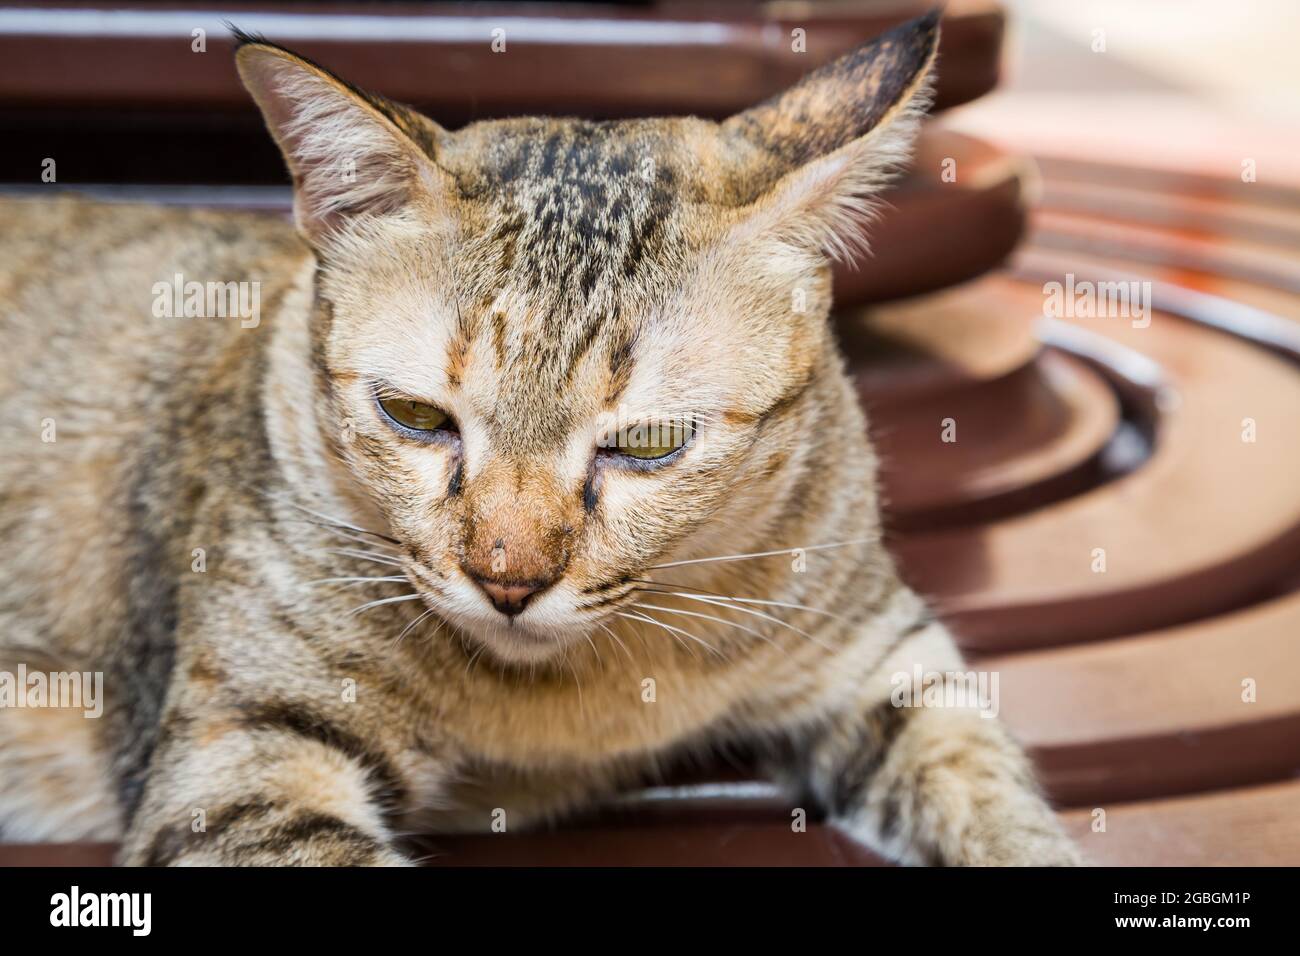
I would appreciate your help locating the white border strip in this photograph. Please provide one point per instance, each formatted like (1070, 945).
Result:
(288, 27)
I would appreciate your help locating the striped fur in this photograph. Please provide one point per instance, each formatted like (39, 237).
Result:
(275, 580)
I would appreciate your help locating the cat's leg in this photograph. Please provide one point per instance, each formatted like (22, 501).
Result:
(265, 784)
(259, 798)
(929, 783)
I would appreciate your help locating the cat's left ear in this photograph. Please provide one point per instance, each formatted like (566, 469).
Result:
(350, 153)
(814, 155)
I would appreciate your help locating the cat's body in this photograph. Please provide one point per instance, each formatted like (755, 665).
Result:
(208, 481)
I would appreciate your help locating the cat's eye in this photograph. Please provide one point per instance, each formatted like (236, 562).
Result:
(649, 442)
(415, 415)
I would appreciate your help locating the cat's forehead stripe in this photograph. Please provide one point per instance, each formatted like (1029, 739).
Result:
(572, 211)
(575, 230)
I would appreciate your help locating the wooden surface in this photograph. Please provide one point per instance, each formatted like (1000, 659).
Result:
(124, 98)
(1065, 413)
(1161, 712)
(705, 58)
(1027, 580)
(1252, 826)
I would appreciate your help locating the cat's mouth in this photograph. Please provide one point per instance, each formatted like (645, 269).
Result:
(514, 627)
(515, 641)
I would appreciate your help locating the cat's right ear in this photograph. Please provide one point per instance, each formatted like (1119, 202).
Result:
(818, 153)
(351, 154)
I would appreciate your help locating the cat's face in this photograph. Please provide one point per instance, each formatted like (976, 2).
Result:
(536, 445)
(561, 352)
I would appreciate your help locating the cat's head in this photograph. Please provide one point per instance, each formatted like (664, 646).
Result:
(563, 351)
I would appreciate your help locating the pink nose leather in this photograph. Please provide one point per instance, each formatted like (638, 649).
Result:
(509, 599)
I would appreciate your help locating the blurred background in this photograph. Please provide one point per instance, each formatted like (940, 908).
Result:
(1101, 496)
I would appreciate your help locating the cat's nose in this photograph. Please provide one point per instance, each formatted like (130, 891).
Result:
(509, 599)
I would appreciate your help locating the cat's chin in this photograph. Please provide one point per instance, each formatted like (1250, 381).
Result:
(516, 640)
(517, 643)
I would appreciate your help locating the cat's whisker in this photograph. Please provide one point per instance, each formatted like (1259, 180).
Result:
(376, 540)
(577, 682)
(698, 640)
(640, 636)
(668, 628)
(741, 600)
(762, 554)
(474, 656)
(380, 580)
(438, 627)
(336, 522)
(617, 640)
(350, 536)
(725, 602)
(374, 556)
(426, 857)
(710, 617)
(595, 650)
(388, 600)
(404, 631)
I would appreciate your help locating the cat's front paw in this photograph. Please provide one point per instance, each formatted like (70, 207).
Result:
(1034, 848)
(307, 839)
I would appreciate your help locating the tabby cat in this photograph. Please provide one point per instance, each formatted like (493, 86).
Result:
(536, 471)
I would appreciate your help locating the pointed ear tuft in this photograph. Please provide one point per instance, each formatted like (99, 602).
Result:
(814, 155)
(243, 37)
(351, 154)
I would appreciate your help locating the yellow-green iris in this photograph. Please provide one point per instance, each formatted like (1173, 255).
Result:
(648, 442)
(416, 415)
